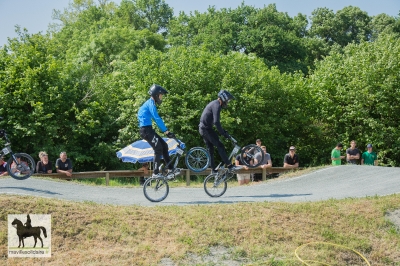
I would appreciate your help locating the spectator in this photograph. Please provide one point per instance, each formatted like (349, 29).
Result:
(369, 157)
(243, 178)
(145, 168)
(291, 159)
(258, 142)
(266, 163)
(352, 153)
(22, 163)
(44, 166)
(3, 167)
(335, 154)
(64, 165)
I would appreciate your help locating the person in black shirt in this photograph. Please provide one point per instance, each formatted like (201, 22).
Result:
(291, 159)
(44, 166)
(64, 165)
(211, 117)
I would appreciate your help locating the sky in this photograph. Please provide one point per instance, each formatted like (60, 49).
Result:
(36, 15)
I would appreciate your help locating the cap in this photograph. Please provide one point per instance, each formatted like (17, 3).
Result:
(340, 145)
(369, 145)
(292, 148)
(17, 156)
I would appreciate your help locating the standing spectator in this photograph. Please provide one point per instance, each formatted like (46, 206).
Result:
(64, 165)
(243, 178)
(3, 167)
(266, 163)
(335, 154)
(369, 157)
(291, 159)
(44, 166)
(352, 153)
(258, 142)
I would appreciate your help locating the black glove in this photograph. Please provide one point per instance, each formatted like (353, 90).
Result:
(171, 135)
(226, 135)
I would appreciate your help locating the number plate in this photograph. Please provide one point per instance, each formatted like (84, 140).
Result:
(179, 151)
(236, 149)
(6, 151)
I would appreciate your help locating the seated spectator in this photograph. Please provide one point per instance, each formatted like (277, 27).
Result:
(22, 163)
(64, 165)
(243, 178)
(335, 154)
(3, 167)
(44, 166)
(291, 159)
(266, 163)
(145, 168)
(369, 157)
(352, 153)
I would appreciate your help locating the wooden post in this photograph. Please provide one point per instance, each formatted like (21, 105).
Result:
(264, 174)
(187, 177)
(107, 178)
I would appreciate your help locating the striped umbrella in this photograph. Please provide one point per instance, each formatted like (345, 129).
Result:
(140, 151)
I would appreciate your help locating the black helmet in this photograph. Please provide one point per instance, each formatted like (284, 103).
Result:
(155, 90)
(225, 97)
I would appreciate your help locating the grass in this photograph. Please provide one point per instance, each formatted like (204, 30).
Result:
(250, 233)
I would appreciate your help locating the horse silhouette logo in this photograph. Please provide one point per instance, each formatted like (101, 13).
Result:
(35, 227)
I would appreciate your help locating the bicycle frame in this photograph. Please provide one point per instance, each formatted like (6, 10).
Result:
(179, 153)
(7, 149)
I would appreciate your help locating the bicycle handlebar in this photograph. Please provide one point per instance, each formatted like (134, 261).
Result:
(232, 139)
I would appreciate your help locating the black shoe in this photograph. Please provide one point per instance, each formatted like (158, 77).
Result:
(233, 167)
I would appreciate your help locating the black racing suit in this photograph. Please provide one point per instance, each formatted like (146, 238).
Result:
(210, 117)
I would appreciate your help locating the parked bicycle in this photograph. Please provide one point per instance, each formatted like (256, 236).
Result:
(215, 184)
(20, 165)
(157, 189)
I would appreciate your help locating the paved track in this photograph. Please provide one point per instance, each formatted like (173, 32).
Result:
(332, 182)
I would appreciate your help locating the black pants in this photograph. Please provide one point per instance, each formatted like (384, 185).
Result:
(211, 140)
(159, 146)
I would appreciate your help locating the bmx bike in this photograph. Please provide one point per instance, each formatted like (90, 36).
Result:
(20, 165)
(157, 189)
(215, 184)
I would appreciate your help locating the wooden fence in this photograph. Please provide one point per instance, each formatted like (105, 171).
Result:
(137, 173)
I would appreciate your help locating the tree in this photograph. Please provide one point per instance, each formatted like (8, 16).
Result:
(268, 105)
(349, 24)
(357, 96)
(267, 33)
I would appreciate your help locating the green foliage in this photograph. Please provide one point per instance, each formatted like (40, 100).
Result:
(266, 106)
(357, 96)
(79, 87)
(267, 33)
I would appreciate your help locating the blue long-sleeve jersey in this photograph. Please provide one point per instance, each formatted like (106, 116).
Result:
(147, 112)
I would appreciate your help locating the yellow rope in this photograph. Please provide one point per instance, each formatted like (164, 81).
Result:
(326, 243)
